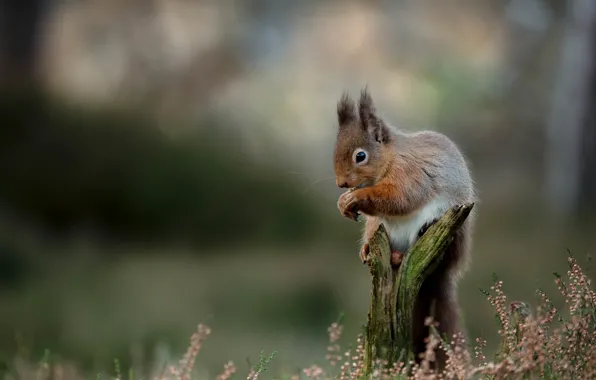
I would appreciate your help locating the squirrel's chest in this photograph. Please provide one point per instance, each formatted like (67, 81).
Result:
(403, 230)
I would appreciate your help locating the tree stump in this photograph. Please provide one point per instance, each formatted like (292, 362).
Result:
(388, 335)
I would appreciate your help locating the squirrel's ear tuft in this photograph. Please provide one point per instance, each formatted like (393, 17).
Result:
(346, 109)
(366, 107)
(369, 119)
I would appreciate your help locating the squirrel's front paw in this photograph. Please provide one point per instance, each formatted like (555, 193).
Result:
(364, 251)
(347, 205)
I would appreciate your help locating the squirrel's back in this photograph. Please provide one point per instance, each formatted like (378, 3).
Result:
(441, 160)
(446, 182)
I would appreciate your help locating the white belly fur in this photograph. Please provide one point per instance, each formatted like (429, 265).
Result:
(403, 230)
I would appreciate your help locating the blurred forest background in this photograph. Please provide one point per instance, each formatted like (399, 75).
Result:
(169, 162)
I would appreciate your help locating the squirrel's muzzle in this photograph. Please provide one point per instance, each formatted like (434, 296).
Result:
(341, 183)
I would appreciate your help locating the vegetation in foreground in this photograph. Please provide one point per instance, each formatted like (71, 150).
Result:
(545, 344)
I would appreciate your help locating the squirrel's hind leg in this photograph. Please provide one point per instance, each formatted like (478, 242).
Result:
(371, 225)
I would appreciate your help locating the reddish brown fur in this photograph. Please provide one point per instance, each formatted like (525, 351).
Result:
(395, 194)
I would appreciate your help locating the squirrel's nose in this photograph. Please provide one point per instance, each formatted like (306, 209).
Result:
(342, 184)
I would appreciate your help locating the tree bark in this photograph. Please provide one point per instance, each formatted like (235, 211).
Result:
(588, 182)
(20, 28)
(565, 164)
(390, 319)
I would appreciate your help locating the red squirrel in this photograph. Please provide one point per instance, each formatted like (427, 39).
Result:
(406, 181)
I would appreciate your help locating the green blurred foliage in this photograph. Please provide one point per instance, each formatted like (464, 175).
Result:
(115, 172)
(138, 192)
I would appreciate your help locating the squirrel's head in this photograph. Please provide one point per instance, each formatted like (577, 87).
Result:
(361, 141)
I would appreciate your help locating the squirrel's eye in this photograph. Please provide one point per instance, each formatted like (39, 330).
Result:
(360, 156)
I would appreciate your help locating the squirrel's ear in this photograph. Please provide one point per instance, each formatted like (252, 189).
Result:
(346, 109)
(369, 119)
